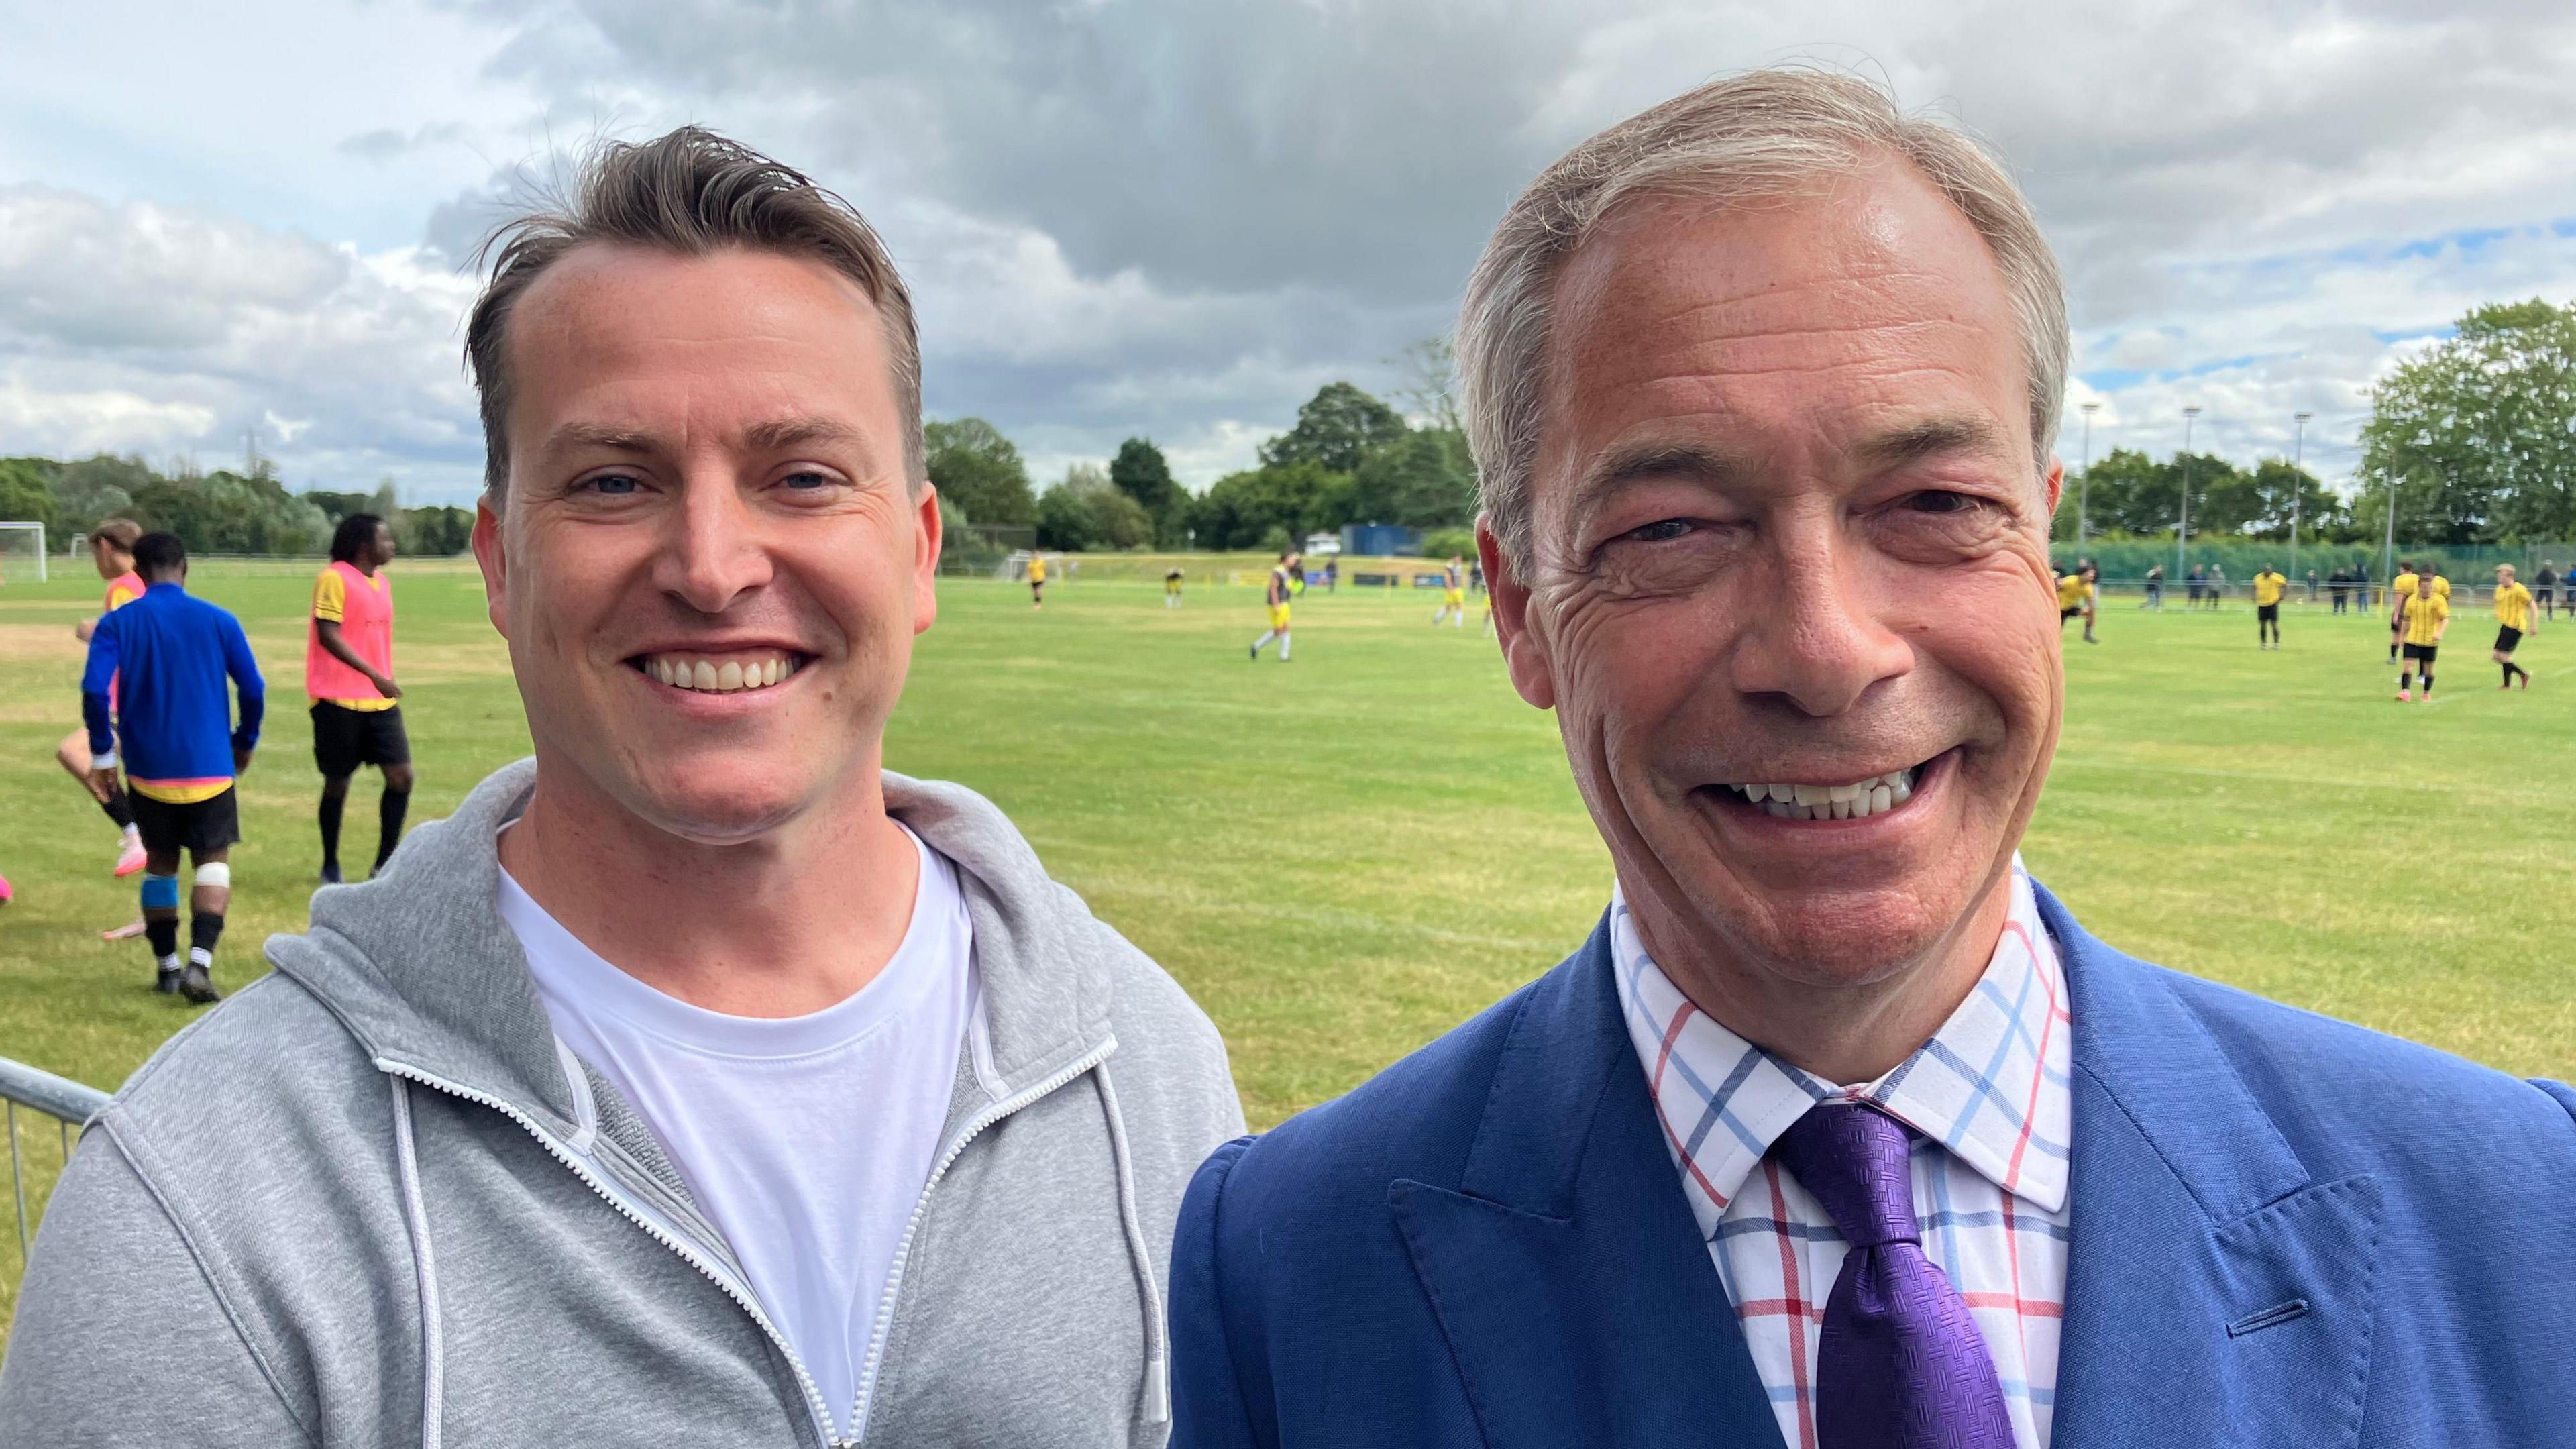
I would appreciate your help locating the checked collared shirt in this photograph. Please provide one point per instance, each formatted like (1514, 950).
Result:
(1988, 1096)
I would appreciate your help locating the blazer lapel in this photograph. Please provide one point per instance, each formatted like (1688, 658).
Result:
(1565, 1269)
(2216, 1293)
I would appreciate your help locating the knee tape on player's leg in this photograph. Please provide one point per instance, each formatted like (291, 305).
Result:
(160, 892)
(215, 873)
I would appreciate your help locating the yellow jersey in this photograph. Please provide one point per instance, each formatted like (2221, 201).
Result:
(2441, 586)
(2267, 587)
(2513, 606)
(2425, 617)
(2071, 591)
(2400, 589)
(1037, 569)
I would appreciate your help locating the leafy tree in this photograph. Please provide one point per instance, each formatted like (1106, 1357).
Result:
(226, 512)
(1247, 509)
(434, 532)
(1087, 511)
(1140, 472)
(2478, 435)
(24, 498)
(97, 488)
(1422, 479)
(978, 470)
(1335, 430)
(1443, 542)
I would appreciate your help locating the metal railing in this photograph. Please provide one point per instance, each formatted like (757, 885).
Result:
(69, 1103)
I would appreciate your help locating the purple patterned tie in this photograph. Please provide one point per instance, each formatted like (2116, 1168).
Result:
(1901, 1365)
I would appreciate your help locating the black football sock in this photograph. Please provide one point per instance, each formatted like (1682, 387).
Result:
(389, 823)
(205, 928)
(332, 805)
(164, 938)
(118, 808)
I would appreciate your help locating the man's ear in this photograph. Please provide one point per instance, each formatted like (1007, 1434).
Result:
(927, 536)
(495, 562)
(2055, 482)
(1523, 651)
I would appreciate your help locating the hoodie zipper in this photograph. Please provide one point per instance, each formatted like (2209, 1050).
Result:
(921, 1206)
(669, 1239)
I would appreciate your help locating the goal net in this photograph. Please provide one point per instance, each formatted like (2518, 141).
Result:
(22, 553)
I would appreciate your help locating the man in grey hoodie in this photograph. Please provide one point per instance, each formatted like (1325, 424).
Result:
(699, 1082)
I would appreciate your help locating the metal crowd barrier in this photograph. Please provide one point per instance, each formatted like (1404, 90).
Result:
(70, 1105)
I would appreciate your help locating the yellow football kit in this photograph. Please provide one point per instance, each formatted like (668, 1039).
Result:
(2513, 607)
(2400, 589)
(2425, 618)
(2071, 591)
(2267, 588)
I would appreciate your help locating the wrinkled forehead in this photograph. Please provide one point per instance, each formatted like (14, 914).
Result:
(1809, 321)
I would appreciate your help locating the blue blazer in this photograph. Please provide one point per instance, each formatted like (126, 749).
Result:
(2288, 1231)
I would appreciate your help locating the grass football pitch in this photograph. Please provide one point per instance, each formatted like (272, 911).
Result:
(1342, 857)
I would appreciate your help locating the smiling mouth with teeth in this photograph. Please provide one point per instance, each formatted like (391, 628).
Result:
(722, 673)
(1857, 800)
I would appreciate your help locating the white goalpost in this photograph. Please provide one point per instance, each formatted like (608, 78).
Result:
(22, 552)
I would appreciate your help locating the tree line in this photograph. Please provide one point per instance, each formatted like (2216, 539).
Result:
(2474, 439)
(222, 512)
(1351, 457)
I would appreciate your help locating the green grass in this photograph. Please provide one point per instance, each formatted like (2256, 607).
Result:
(1343, 857)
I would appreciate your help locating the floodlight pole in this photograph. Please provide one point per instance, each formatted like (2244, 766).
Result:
(2388, 550)
(2084, 480)
(2298, 485)
(2182, 534)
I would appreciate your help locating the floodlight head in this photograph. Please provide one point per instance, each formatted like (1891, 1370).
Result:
(2191, 412)
(2302, 417)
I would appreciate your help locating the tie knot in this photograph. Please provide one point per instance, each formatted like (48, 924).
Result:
(1856, 1160)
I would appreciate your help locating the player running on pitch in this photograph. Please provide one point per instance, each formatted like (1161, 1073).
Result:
(169, 655)
(1276, 595)
(2268, 584)
(111, 548)
(1453, 594)
(348, 676)
(2515, 617)
(1037, 581)
(2080, 593)
(1171, 588)
(2423, 618)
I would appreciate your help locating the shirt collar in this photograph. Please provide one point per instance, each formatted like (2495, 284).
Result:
(1991, 1085)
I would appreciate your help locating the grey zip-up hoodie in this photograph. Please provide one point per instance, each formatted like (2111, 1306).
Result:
(372, 1200)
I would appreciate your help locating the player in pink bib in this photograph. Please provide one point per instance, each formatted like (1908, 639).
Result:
(349, 677)
(111, 548)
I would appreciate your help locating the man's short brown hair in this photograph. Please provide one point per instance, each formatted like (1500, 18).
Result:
(690, 192)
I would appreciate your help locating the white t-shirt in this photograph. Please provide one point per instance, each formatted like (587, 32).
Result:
(806, 1139)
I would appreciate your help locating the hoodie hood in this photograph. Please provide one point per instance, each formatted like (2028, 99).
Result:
(419, 967)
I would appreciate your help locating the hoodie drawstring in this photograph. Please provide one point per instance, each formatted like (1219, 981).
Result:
(425, 1265)
(1157, 1388)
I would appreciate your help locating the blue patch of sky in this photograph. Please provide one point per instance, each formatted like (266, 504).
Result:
(2467, 243)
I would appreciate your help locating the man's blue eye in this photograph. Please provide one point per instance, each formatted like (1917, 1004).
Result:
(807, 480)
(1661, 530)
(619, 483)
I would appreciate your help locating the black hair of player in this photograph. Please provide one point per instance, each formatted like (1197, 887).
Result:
(160, 556)
(355, 535)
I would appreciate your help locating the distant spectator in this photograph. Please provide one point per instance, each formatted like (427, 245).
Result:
(2544, 588)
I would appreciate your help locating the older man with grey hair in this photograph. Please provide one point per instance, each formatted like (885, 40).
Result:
(1840, 1131)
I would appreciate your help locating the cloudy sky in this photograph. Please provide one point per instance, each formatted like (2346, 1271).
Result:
(1179, 217)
